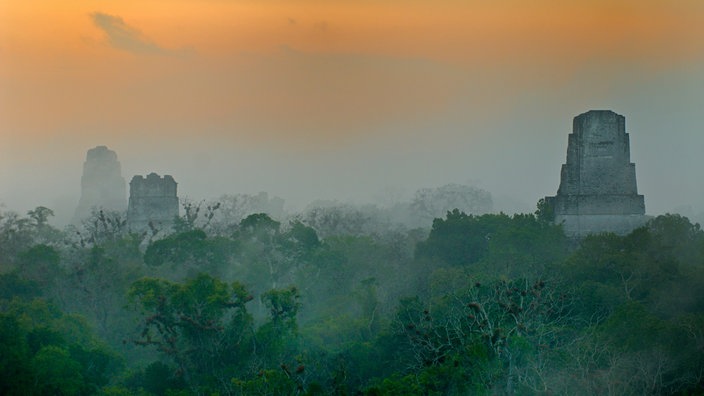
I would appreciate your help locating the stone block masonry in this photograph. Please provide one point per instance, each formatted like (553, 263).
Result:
(152, 200)
(598, 190)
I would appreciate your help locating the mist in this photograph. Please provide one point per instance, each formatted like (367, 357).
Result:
(367, 197)
(515, 154)
(309, 105)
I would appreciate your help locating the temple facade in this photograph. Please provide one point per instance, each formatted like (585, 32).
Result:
(598, 191)
(102, 184)
(152, 200)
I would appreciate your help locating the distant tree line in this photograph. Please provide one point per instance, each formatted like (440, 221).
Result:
(342, 300)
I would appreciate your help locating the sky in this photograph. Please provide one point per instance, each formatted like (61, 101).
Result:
(354, 100)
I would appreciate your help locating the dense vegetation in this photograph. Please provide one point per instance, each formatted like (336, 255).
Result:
(333, 301)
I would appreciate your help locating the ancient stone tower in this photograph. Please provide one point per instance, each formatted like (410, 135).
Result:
(598, 190)
(152, 199)
(102, 184)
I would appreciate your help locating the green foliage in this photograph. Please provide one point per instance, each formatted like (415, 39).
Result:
(278, 338)
(340, 289)
(12, 285)
(462, 374)
(525, 247)
(57, 372)
(638, 292)
(122, 391)
(259, 226)
(157, 378)
(190, 248)
(514, 246)
(301, 240)
(659, 264)
(18, 234)
(487, 330)
(490, 304)
(47, 352)
(397, 385)
(202, 325)
(40, 264)
(545, 211)
(459, 239)
(631, 327)
(15, 367)
(283, 381)
(283, 306)
(264, 259)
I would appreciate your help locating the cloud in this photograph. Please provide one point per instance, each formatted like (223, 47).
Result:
(125, 37)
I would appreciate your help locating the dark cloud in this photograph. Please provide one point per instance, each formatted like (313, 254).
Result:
(125, 37)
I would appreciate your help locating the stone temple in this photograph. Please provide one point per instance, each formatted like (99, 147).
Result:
(102, 184)
(152, 200)
(598, 191)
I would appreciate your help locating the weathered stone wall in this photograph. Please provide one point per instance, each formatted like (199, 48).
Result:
(598, 190)
(102, 184)
(152, 199)
(582, 225)
(604, 204)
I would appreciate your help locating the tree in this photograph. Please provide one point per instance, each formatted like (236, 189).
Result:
(514, 246)
(277, 337)
(17, 234)
(16, 375)
(637, 297)
(459, 239)
(431, 203)
(12, 285)
(189, 253)
(45, 351)
(201, 325)
(491, 333)
(234, 208)
(102, 226)
(633, 352)
(263, 258)
(675, 238)
(191, 218)
(41, 215)
(302, 241)
(57, 372)
(545, 211)
(641, 266)
(335, 219)
(40, 264)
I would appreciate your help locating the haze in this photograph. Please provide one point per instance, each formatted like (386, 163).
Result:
(348, 100)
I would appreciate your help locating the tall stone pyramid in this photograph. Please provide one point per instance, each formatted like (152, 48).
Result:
(598, 191)
(102, 184)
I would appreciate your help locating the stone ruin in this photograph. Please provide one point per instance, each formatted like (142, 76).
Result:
(152, 200)
(102, 184)
(598, 190)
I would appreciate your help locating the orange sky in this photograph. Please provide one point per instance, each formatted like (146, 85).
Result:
(313, 74)
(348, 56)
(441, 30)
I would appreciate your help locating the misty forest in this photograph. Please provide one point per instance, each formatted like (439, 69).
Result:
(351, 198)
(435, 296)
